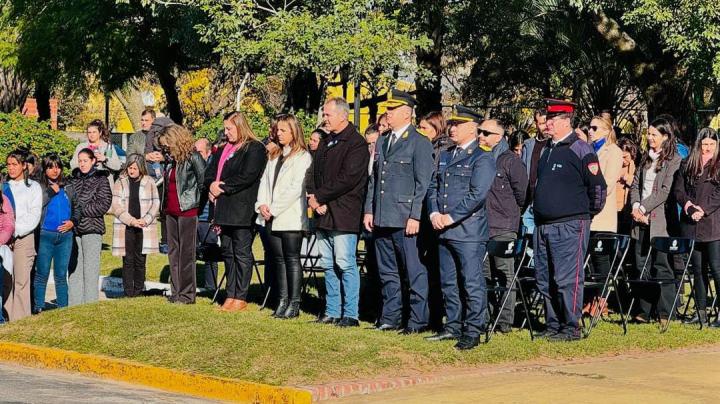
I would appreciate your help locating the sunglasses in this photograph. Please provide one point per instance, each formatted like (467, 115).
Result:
(483, 132)
(594, 128)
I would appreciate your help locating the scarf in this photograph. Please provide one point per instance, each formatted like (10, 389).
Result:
(598, 144)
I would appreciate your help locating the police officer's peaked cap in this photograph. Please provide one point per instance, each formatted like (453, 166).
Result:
(396, 98)
(557, 107)
(462, 114)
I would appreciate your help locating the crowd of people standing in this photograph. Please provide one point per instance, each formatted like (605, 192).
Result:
(425, 200)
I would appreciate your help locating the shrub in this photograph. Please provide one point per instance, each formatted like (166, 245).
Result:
(16, 130)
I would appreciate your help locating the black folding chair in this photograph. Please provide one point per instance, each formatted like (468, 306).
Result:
(527, 281)
(310, 267)
(670, 246)
(614, 247)
(506, 249)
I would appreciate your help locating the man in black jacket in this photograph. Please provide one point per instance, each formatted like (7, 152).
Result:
(570, 190)
(504, 204)
(336, 192)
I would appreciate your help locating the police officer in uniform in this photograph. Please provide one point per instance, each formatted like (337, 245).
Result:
(393, 209)
(456, 202)
(570, 190)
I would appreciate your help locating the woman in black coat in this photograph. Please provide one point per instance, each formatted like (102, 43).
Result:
(232, 180)
(697, 190)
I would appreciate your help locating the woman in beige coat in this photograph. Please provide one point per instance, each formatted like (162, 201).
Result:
(602, 137)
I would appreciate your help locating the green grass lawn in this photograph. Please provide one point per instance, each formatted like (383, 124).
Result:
(253, 346)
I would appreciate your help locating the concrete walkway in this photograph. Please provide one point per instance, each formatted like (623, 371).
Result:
(25, 385)
(672, 377)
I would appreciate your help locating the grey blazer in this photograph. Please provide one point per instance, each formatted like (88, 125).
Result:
(662, 208)
(398, 185)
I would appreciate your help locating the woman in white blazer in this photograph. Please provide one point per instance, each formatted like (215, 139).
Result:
(282, 209)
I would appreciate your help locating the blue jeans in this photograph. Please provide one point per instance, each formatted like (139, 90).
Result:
(337, 250)
(55, 248)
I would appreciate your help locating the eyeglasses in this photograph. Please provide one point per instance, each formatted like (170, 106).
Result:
(594, 128)
(483, 132)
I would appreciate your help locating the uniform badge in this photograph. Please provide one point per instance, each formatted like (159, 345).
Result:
(405, 135)
(594, 168)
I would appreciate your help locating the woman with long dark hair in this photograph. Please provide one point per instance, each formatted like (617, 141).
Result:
(25, 196)
(232, 180)
(60, 215)
(94, 196)
(655, 215)
(697, 189)
(183, 179)
(98, 141)
(282, 208)
(135, 235)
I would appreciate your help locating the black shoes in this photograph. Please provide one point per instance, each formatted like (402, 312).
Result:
(411, 330)
(715, 324)
(562, 337)
(348, 322)
(292, 311)
(327, 320)
(503, 329)
(467, 342)
(387, 327)
(281, 309)
(442, 336)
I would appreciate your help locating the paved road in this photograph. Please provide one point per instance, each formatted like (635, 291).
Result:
(674, 377)
(26, 385)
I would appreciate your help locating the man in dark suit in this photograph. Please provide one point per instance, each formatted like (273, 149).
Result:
(336, 190)
(456, 202)
(393, 209)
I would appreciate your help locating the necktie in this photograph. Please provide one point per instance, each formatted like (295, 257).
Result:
(391, 142)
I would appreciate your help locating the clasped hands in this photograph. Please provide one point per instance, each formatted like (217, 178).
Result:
(440, 221)
(314, 205)
(698, 214)
(216, 190)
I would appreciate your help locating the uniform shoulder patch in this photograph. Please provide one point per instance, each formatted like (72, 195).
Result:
(593, 167)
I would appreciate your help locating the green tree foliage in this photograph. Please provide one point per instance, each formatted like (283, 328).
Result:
(17, 130)
(13, 86)
(64, 43)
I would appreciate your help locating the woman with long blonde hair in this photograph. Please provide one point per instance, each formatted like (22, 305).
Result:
(232, 182)
(282, 208)
(184, 178)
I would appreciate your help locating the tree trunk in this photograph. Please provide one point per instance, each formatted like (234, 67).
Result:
(131, 101)
(168, 83)
(431, 15)
(42, 97)
(13, 90)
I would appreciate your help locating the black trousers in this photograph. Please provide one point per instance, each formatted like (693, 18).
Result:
(133, 271)
(237, 251)
(706, 254)
(285, 247)
(658, 268)
(502, 271)
(181, 233)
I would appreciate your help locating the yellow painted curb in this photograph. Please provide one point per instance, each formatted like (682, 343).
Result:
(160, 378)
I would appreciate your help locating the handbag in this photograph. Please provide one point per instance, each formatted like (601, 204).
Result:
(208, 252)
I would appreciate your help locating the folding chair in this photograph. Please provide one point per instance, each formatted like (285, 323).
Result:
(527, 281)
(507, 249)
(711, 295)
(615, 247)
(667, 245)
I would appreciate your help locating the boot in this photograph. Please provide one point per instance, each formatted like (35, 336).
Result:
(281, 308)
(716, 323)
(699, 317)
(292, 311)
(294, 280)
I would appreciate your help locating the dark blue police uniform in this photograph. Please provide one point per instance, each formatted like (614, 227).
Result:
(570, 190)
(396, 192)
(459, 187)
